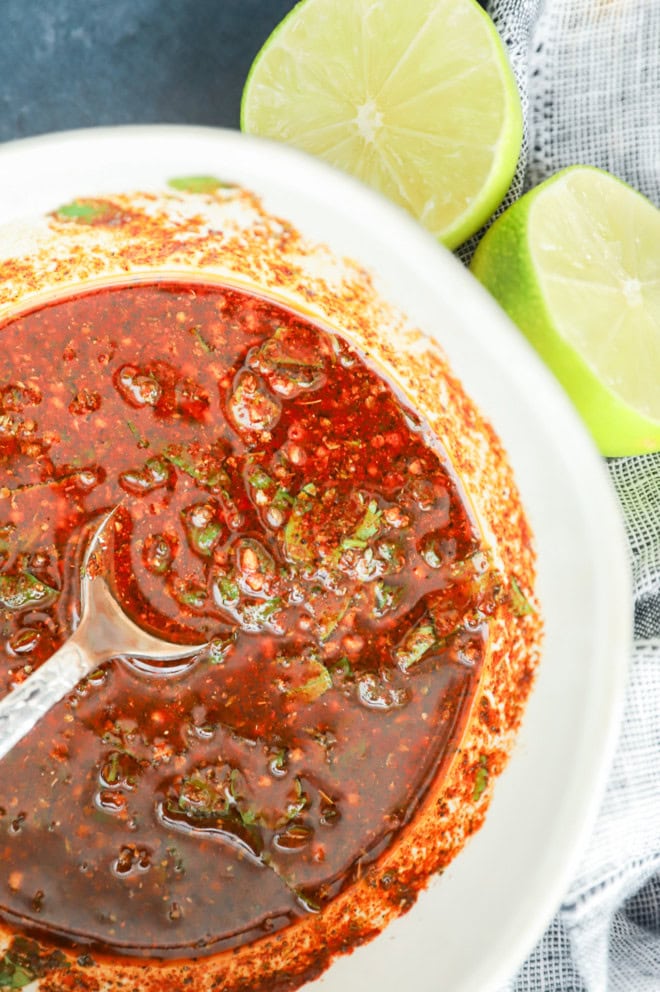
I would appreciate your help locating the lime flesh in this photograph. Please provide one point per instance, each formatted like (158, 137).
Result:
(415, 98)
(576, 264)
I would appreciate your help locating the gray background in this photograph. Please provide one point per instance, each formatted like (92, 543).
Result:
(78, 63)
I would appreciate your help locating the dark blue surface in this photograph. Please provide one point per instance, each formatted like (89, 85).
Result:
(77, 63)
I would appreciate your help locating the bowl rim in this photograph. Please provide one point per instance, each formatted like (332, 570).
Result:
(604, 534)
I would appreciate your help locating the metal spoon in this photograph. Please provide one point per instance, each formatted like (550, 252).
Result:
(104, 632)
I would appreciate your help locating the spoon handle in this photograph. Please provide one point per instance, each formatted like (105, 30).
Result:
(27, 703)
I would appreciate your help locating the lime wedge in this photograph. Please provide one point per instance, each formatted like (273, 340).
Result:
(576, 264)
(414, 97)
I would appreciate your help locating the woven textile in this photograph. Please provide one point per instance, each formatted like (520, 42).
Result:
(589, 72)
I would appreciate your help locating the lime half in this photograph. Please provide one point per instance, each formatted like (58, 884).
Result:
(576, 264)
(414, 97)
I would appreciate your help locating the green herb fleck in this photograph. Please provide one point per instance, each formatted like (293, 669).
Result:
(415, 645)
(157, 554)
(299, 801)
(282, 499)
(24, 961)
(520, 605)
(481, 778)
(249, 815)
(278, 762)
(86, 211)
(142, 441)
(329, 620)
(316, 685)
(343, 666)
(206, 468)
(354, 542)
(235, 781)
(260, 479)
(386, 598)
(17, 592)
(228, 590)
(298, 541)
(14, 975)
(189, 594)
(205, 346)
(370, 524)
(255, 615)
(308, 902)
(219, 648)
(198, 184)
(201, 796)
(111, 772)
(202, 538)
(368, 527)
(156, 473)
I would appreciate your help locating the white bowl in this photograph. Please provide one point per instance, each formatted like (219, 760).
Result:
(471, 928)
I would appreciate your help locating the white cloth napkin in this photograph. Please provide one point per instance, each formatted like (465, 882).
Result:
(589, 73)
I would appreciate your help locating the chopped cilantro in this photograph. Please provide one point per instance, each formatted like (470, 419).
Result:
(158, 553)
(343, 665)
(415, 645)
(298, 802)
(481, 778)
(307, 901)
(204, 467)
(354, 542)
(370, 524)
(282, 499)
(86, 211)
(189, 594)
(368, 527)
(205, 346)
(328, 621)
(254, 615)
(155, 473)
(278, 763)
(219, 648)
(14, 975)
(235, 781)
(17, 592)
(228, 590)
(198, 184)
(520, 605)
(297, 538)
(24, 961)
(386, 598)
(112, 769)
(317, 682)
(203, 535)
(249, 815)
(204, 538)
(260, 479)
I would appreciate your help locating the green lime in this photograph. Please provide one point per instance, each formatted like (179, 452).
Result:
(576, 264)
(414, 97)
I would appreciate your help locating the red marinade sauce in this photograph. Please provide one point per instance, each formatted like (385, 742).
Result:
(280, 501)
